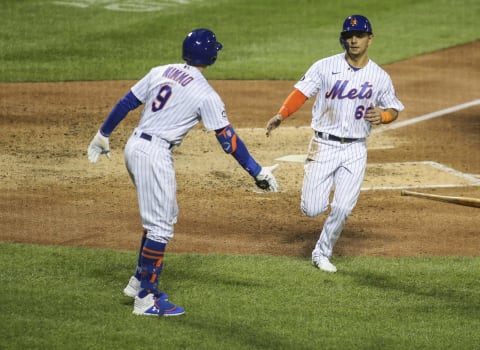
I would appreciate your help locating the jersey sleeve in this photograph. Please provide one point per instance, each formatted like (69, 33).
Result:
(310, 83)
(389, 99)
(140, 89)
(213, 113)
(126, 104)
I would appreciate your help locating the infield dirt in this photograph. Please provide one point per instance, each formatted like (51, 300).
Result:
(51, 194)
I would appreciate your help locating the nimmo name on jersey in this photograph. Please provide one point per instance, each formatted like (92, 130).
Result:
(181, 77)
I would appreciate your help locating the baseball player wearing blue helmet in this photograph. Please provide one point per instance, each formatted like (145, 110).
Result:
(176, 97)
(352, 95)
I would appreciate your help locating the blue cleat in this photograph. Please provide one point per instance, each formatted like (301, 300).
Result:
(150, 305)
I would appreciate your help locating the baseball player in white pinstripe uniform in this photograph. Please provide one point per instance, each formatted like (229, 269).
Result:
(352, 93)
(176, 97)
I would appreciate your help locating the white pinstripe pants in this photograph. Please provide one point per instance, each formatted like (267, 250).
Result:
(338, 166)
(150, 165)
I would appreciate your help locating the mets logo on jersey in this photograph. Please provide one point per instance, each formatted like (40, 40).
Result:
(341, 91)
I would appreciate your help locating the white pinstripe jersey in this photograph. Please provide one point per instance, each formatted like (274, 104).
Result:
(176, 97)
(343, 95)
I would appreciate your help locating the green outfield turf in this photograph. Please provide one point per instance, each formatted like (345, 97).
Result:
(70, 298)
(263, 39)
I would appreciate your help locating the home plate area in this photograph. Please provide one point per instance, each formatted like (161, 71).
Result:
(402, 175)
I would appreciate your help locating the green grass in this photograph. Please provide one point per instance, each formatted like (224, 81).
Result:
(70, 298)
(263, 39)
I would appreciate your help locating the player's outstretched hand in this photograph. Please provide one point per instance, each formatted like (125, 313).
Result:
(274, 123)
(265, 180)
(99, 145)
(373, 115)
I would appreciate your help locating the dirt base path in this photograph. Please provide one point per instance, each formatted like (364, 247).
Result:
(50, 194)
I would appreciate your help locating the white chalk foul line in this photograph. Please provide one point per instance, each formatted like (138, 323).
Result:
(406, 187)
(398, 124)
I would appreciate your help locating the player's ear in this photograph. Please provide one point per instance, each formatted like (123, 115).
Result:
(370, 39)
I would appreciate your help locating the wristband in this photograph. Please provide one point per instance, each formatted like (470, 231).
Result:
(387, 117)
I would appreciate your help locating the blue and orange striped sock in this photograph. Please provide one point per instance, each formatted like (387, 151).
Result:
(151, 263)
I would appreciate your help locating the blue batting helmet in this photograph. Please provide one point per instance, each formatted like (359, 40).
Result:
(354, 23)
(357, 23)
(200, 47)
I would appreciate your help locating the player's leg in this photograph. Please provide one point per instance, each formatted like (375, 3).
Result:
(133, 287)
(151, 168)
(347, 182)
(323, 158)
(133, 161)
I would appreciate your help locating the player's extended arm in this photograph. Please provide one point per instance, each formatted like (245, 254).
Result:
(292, 104)
(100, 143)
(232, 144)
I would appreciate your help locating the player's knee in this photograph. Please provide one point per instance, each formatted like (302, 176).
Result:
(316, 210)
(313, 210)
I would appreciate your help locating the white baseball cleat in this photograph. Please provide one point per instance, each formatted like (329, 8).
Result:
(133, 288)
(324, 264)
